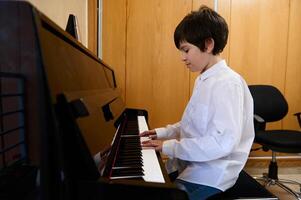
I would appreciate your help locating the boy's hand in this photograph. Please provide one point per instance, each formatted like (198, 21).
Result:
(151, 134)
(156, 144)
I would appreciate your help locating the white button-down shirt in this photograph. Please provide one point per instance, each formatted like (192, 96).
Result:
(211, 143)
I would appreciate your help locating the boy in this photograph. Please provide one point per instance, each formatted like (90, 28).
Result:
(210, 145)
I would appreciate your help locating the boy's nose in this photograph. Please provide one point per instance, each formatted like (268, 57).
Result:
(183, 57)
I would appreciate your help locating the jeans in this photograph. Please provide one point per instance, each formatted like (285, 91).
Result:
(196, 191)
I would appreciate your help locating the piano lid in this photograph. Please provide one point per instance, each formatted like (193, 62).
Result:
(70, 66)
(72, 70)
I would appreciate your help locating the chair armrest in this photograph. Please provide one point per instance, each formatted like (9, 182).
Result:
(298, 115)
(259, 123)
(258, 118)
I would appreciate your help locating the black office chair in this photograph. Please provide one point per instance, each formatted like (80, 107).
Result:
(271, 106)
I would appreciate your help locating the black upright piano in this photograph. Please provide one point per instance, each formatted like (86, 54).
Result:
(65, 131)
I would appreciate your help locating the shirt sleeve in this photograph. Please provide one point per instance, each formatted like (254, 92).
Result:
(168, 132)
(223, 132)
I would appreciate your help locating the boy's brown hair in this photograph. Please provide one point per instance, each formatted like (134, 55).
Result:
(199, 26)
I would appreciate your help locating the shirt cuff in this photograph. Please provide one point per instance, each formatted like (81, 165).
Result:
(161, 133)
(168, 147)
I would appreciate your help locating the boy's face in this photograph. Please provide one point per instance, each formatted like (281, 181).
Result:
(195, 59)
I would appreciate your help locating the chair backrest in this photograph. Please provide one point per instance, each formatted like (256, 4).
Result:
(269, 103)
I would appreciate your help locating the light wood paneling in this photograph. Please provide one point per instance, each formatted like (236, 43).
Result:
(224, 9)
(258, 47)
(198, 3)
(92, 25)
(258, 44)
(155, 77)
(293, 81)
(114, 38)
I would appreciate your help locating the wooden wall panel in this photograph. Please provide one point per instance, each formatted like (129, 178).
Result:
(156, 79)
(197, 3)
(224, 9)
(293, 81)
(258, 46)
(114, 38)
(92, 25)
(258, 41)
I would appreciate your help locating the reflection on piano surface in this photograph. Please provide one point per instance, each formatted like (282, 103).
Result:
(80, 136)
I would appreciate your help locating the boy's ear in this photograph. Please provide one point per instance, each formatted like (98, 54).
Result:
(209, 45)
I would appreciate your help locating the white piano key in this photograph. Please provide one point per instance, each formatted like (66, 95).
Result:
(142, 124)
(151, 166)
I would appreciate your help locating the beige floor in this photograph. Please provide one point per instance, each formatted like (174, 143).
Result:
(287, 170)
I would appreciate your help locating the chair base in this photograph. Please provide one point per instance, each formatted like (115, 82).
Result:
(281, 183)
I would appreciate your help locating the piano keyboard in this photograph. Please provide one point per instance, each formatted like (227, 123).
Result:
(151, 166)
(132, 161)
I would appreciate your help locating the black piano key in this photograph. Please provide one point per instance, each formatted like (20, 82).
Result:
(129, 169)
(132, 127)
(129, 147)
(127, 175)
(132, 154)
(130, 138)
(132, 132)
(129, 154)
(125, 159)
(138, 171)
(132, 122)
(128, 160)
(126, 142)
(131, 150)
(130, 142)
(125, 156)
(128, 163)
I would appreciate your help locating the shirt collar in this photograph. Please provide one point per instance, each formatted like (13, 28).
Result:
(213, 70)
